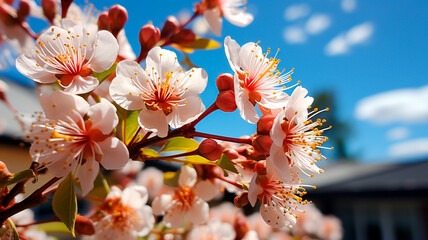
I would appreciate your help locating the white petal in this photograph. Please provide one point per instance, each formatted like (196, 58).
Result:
(187, 176)
(206, 190)
(161, 61)
(115, 153)
(135, 196)
(125, 49)
(214, 20)
(27, 65)
(247, 54)
(280, 162)
(187, 113)
(246, 109)
(276, 133)
(59, 105)
(254, 190)
(145, 222)
(174, 217)
(87, 174)
(199, 212)
(274, 216)
(105, 52)
(238, 17)
(161, 203)
(232, 48)
(154, 121)
(103, 116)
(81, 85)
(197, 83)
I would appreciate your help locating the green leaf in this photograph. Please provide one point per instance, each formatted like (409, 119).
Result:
(225, 163)
(171, 178)
(196, 159)
(180, 144)
(130, 126)
(64, 203)
(202, 43)
(102, 76)
(8, 231)
(150, 152)
(52, 227)
(187, 62)
(18, 177)
(101, 187)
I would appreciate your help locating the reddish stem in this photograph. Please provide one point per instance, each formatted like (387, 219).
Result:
(211, 109)
(229, 139)
(229, 181)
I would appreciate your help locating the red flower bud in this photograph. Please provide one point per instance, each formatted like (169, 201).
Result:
(149, 36)
(65, 4)
(23, 10)
(103, 21)
(169, 27)
(184, 37)
(117, 17)
(226, 101)
(241, 226)
(49, 9)
(264, 125)
(224, 82)
(210, 149)
(241, 200)
(7, 15)
(231, 153)
(260, 168)
(262, 144)
(4, 172)
(84, 226)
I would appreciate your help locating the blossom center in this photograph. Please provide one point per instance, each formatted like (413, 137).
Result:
(185, 196)
(122, 215)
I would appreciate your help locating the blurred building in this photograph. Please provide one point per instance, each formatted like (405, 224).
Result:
(375, 201)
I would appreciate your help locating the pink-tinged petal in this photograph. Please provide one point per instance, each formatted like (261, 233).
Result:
(59, 167)
(199, 212)
(206, 190)
(103, 116)
(145, 222)
(182, 115)
(195, 84)
(68, 24)
(298, 103)
(238, 17)
(161, 61)
(232, 48)
(87, 174)
(60, 105)
(154, 121)
(115, 192)
(124, 89)
(280, 162)
(161, 203)
(246, 109)
(125, 49)
(81, 85)
(115, 154)
(187, 176)
(135, 196)
(214, 20)
(247, 53)
(31, 68)
(174, 217)
(276, 217)
(254, 190)
(105, 52)
(276, 133)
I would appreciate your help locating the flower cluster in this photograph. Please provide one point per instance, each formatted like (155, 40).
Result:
(105, 116)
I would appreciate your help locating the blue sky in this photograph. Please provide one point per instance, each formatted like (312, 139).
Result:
(392, 55)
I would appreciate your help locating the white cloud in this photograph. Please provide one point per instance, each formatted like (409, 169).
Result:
(398, 133)
(317, 23)
(412, 148)
(343, 42)
(348, 5)
(296, 11)
(200, 26)
(294, 35)
(402, 105)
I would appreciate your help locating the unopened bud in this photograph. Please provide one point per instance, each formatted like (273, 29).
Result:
(7, 15)
(210, 149)
(103, 21)
(226, 101)
(23, 10)
(231, 153)
(241, 200)
(117, 17)
(169, 27)
(84, 226)
(264, 125)
(149, 36)
(65, 4)
(260, 168)
(224, 82)
(4, 172)
(49, 9)
(241, 226)
(184, 37)
(262, 144)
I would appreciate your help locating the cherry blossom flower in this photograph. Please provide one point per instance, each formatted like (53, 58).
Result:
(69, 55)
(296, 138)
(279, 199)
(256, 79)
(214, 230)
(152, 179)
(75, 137)
(163, 92)
(232, 10)
(124, 215)
(185, 201)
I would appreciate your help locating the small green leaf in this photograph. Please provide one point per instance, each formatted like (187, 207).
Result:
(225, 163)
(171, 178)
(196, 159)
(64, 203)
(102, 76)
(130, 126)
(180, 144)
(53, 227)
(150, 152)
(101, 187)
(18, 177)
(8, 231)
(202, 43)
